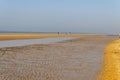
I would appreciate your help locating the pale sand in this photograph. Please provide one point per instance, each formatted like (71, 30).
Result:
(79, 59)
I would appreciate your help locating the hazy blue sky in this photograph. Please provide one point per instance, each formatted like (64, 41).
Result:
(85, 16)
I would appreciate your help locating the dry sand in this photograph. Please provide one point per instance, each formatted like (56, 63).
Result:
(78, 59)
(14, 36)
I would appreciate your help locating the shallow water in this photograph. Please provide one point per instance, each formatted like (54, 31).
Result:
(14, 43)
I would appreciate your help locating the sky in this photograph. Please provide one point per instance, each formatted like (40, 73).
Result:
(83, 16)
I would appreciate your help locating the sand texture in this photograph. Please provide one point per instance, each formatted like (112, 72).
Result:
(111, 67)
(78, 59)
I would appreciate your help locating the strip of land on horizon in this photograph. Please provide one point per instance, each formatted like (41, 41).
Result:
(16, 36)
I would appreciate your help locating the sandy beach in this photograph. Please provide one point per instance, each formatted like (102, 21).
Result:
(18, 36)
(21, 36)
(77, 59)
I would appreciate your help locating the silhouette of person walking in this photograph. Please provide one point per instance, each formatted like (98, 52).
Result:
(58, 33)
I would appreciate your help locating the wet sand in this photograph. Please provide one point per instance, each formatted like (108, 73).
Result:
(78, 59)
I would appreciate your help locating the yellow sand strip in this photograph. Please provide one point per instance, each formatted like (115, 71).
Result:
(111, 68)
(33, 36)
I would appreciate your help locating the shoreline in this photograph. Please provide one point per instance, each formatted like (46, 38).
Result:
(15, 43)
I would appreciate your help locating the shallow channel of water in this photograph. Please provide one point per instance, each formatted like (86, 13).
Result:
(14, 43)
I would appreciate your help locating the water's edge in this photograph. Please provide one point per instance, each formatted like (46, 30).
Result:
(15, 43)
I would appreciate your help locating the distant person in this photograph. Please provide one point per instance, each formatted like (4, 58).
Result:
(58, 33)
(119, 35)
(70, 33)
